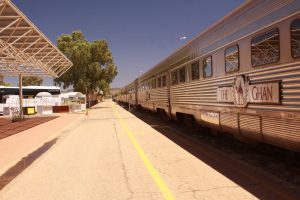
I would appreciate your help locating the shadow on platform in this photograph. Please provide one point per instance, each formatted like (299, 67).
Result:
(255, 181)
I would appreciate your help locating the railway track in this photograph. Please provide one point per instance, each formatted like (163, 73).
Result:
(8, 128)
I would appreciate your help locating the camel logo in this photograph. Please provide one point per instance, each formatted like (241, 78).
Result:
(240, 91)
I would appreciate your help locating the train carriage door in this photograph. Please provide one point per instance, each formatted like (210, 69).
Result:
(168, 81)
(136, 86)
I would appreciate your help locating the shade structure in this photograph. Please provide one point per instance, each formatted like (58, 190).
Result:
(24, 49)
(75, 94)
(44, 94)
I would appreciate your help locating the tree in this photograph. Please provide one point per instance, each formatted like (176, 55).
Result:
(2, 82)
(93, 65)
(32, 80)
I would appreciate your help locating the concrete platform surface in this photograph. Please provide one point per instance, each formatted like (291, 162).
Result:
(112, 154)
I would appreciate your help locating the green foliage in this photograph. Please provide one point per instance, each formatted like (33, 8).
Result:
(32, 80)
(2, 82)
(93, 65)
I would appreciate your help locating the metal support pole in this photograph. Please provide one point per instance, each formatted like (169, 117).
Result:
(86, 93)
(21, 96)
(86, 103)
(89, 101)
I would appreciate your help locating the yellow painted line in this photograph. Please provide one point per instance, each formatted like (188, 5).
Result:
(157, 179)
(137, 133)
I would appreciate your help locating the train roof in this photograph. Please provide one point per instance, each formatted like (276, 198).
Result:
(246, 19)
(128, 86)
(32, 87)
(29, 90)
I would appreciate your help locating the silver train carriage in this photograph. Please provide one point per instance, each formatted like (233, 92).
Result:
(241, 75)
(128, 94)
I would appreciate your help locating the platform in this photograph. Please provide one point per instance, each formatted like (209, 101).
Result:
(111, 154)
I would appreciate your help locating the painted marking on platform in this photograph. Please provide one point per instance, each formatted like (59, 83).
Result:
(134, 133)
(157, 179)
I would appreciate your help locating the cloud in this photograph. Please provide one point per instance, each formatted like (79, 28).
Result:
(182, 38)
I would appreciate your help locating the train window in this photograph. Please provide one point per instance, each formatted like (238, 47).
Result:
(181, 75)
(174, 77)
(159, 82)
(207, 67)
(265, 48)
(232, 59)
(195, 70)
(153, 83)
(295, 37)
(164, 81)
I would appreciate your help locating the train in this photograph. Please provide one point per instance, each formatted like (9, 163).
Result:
(240, 76)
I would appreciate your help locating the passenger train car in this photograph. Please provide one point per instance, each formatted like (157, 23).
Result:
(241, 76)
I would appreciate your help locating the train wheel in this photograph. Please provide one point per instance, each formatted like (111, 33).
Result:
(163, 114)
(189, 121)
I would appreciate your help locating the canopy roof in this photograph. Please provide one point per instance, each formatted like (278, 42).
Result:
(24, 49)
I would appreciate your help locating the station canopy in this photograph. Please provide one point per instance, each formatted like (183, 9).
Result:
(25, 49)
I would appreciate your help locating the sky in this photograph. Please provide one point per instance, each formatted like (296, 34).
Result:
(140, 33)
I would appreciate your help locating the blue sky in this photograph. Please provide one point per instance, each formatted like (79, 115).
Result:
(140, 33)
